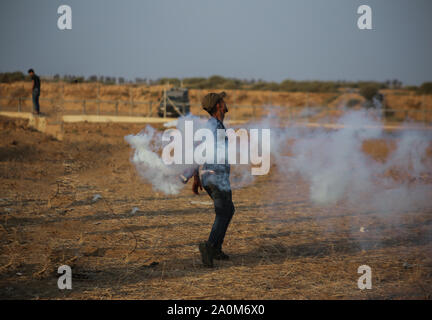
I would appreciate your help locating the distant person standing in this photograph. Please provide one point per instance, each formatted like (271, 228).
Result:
(35, 91)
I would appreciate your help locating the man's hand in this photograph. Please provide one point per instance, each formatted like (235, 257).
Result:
(196, 184)
(183, 179)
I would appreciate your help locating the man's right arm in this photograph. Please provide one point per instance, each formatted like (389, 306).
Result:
(189, 173)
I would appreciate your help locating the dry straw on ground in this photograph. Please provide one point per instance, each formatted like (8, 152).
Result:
(281, 246)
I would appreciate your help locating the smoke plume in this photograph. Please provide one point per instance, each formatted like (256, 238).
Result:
(333, 161)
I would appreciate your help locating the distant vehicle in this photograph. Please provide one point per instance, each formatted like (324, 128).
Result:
(177, 103)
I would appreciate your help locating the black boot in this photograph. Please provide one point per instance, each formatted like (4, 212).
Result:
(220, 255)
(207, 253)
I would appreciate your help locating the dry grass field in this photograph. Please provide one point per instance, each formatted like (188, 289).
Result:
(281, 246)
(408, 104)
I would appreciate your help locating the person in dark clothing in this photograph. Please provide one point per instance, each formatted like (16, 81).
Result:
(215, 180)
(35, 91)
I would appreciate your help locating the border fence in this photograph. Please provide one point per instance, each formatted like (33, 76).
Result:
(57, 107)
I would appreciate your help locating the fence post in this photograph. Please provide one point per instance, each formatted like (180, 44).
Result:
(116, 108)
(164, 97)
(84, 106)
(199, 98)
(235, 105)
(63, 99)
(150, 108)
(98, 99)
(130, 101)
(19, 104)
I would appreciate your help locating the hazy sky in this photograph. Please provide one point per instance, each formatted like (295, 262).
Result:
(268, 39)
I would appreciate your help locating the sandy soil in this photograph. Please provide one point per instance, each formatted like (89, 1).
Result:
(281, 246)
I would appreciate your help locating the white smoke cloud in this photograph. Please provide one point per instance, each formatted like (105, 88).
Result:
(332, 161)
(149, 164)
(337, 169)
(147, 159)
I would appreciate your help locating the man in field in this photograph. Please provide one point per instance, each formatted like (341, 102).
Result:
(35, 91)
(215, 180)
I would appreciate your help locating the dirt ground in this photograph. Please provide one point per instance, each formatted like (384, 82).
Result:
(281, 246)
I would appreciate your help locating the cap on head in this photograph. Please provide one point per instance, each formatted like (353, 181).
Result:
(211, 99)
(30, 71)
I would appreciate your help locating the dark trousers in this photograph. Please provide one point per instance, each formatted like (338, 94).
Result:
(35, 97)
(220, 192)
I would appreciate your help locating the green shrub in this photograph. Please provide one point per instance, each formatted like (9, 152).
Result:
(174, 81)
(411, 88)
(425, 88)
(8, 77)
(369, 91)
(215, 82)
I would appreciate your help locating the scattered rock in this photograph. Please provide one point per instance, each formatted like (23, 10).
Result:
(92, 252)
(151, 265)
(96, 197)
(63, 211)
(134, 210)
(80, 276)
(207, 203)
